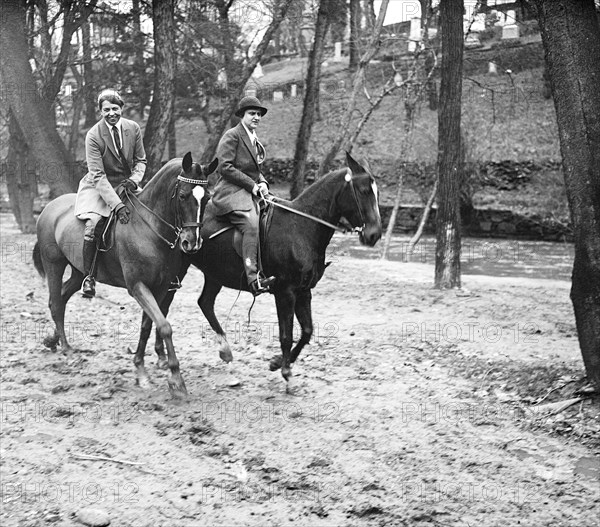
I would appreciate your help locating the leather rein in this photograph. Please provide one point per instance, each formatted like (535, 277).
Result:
(348, 179)
(179, 225)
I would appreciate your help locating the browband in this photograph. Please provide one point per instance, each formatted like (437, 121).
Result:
(193, 181)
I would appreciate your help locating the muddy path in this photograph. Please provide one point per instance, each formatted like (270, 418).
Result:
(411, 407)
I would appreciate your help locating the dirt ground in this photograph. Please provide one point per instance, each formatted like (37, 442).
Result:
(411, 407)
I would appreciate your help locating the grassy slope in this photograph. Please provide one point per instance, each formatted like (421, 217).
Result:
(506, 119)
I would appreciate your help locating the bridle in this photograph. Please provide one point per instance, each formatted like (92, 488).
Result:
(179, 225)
(348, 179)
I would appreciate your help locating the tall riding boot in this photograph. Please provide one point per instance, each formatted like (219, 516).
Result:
(89, 259)
(258, 283)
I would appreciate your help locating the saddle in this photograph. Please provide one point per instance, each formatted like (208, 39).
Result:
(105, 228)
(215, 225)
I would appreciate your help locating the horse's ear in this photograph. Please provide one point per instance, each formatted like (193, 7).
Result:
(353, 165)
(213, 166)
(186, 164)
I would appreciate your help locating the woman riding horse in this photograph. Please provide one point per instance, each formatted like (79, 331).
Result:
(241, 184)
(115, 155)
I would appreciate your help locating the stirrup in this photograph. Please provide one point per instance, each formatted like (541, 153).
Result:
(88, 287)
(263, 285)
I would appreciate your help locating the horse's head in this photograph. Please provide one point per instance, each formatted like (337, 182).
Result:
(192, 196)
(359, 201)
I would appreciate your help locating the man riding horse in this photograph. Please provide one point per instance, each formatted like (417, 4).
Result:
(241, 184)
(115, 155)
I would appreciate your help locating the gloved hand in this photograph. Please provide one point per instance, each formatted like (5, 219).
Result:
(129, 184)
(263, 188)
(122, 213)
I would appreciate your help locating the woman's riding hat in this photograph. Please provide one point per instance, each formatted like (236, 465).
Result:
(247, 103)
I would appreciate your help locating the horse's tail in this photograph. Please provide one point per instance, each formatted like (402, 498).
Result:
(37, 260)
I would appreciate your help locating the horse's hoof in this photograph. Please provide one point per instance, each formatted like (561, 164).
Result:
(144, 383)
(178, 390)
(162, 364)
(275, 363)
(225, 354)
(286, 373)
(51, 342)
(291, 386)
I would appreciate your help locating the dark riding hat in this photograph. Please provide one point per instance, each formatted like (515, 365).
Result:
(248, 103)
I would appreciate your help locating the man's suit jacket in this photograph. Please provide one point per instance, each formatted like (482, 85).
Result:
(105, 171)
(238, 171)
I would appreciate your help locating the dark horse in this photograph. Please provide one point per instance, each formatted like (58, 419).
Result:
(294, 253)
(143, 255)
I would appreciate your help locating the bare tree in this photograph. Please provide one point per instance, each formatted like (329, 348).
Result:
(355, 34)
(447, 253)
(358, 84)
(311, 93)
(32, 109)
(238, 77)
(161, 109)
(571, 39)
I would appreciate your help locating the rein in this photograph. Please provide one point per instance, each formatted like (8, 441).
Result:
(175, 228)
(348, 179)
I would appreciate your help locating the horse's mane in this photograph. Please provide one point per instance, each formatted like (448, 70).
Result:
(166, 171)
(317, 185)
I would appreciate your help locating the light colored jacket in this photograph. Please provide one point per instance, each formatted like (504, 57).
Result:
(105, 170)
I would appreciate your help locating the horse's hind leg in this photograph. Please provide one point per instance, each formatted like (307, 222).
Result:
(57, 302)
(72, 285)
(206, 301)
(142, 378)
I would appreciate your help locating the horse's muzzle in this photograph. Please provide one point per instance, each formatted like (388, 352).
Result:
(369, 236)
(191, 248)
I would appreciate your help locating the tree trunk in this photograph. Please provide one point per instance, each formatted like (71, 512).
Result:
(155, 136)
(20, 178)
(88, 76)
(236, 89)
(142, 87)
(172, 141)
(311, 93)
(447, 253)
(32, 113)
(571, 39)
(354, 34)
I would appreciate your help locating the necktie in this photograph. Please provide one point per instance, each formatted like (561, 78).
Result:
(117, 139)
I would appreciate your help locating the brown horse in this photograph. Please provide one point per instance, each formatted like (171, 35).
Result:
(144, 255)
(294, 252)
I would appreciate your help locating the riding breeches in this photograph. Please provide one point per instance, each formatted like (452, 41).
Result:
(91, 222)
(246, 221)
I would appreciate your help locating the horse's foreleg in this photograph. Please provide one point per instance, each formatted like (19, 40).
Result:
(304, 316)
(146, 299)
(206, 301)
(142, 378)
(285, 302)
(159, 346)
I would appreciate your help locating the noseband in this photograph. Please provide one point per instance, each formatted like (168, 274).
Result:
(179, 226)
